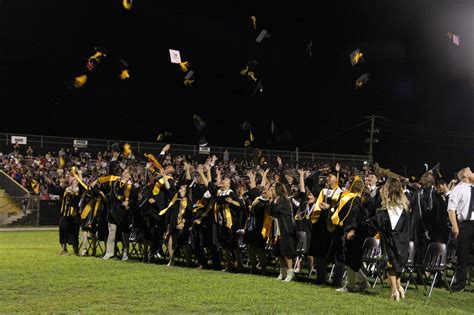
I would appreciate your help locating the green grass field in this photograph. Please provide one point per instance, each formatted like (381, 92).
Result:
(34, 279)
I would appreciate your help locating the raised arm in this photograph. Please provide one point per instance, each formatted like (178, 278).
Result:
(301, 172)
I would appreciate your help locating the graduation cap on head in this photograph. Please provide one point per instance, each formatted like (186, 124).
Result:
(263, 34)
(356, 57)
(115, 147)
(371, 171)
(435, 171)
(199, 123)
(362, 80)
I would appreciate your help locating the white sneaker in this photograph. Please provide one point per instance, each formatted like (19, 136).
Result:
(125, 256)
(84, 252)
(346, 289)
(107, 256)
(283, 274)
(290, 275)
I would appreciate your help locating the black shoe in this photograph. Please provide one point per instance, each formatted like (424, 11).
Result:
(457, 288)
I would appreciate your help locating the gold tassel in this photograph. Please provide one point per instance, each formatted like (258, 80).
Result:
(252, 76)
(184, 66)
(244, 70)
(127, 150)
(188, 82)
(127, 4)
(254, 21)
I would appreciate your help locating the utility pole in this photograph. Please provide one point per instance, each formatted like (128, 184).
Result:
(371, 139)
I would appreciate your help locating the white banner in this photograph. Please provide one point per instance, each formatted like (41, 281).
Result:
(80, 143)
(18, 139)
(204, 150)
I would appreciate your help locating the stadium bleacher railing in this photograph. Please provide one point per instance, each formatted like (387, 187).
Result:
(50, 143)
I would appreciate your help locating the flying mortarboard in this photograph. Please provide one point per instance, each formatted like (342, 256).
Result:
(362, 80)
(189, 78)
(175, 56)
(454, 38)
(356, 57)
(199, 123)
(263, 34)
(80, 81)
(124, 74)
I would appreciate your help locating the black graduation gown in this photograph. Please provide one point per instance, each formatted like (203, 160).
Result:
(227, 227)
(180, 235)
(302, 220)
(69, 221)
(394, 241)
(253, 229)
(286, 242)
(350, 251)
(429, 220)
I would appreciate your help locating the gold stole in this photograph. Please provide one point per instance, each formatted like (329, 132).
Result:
(346, 196)
(317, 211)
(182, 209)
(267, 225)
(169, 205)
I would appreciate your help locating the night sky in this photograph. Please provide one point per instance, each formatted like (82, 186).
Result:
(420, 81)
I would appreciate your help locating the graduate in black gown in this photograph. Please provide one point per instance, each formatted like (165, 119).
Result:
(205, 227)
(69, 221)
(349, 235)
(321, 237)
(393, 221)
(227, 210)
(280, 208)
(253, 229)
(179, 220)
(430, 223)
(307, 204)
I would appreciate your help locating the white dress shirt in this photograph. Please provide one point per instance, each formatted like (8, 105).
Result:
(459, 201)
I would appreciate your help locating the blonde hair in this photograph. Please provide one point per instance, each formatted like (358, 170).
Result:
(393, 196)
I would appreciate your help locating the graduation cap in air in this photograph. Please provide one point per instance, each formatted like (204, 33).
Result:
(362, 80)
(247, 129)
(309, 48)
(199, 123)
(454, 38)
(80, 81)
(163, 136)
(189, 78)
(356, 57)
(124, 73)
(127, 4)
(263, 34)
(202, 141)
(99, 54)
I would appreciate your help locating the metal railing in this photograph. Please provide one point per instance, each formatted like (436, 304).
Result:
(50, 143)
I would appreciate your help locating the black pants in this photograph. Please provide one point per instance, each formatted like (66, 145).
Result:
(464, 241)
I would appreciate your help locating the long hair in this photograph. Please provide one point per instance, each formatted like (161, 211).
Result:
(281, 190)
(393, 196)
